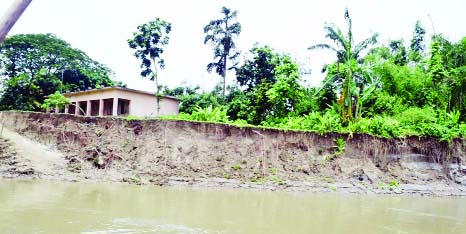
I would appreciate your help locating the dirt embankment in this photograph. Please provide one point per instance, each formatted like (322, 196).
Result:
(204, 154)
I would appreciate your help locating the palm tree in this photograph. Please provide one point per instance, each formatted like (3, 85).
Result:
(347, 53)
(220, 34)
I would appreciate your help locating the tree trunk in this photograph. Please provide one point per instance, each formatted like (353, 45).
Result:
(11, 16)
(224, 75)
(157, 85)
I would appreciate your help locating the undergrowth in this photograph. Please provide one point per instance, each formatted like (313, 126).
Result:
(411, 122)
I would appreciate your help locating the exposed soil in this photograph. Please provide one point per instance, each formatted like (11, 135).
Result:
(203, 154)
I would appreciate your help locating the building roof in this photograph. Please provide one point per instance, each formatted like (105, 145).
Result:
(115, 88)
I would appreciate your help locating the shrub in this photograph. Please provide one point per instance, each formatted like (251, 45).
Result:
(384, 126)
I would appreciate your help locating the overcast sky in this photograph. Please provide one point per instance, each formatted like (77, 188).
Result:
(101, 28)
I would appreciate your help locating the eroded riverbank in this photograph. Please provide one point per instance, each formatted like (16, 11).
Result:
(177, 153)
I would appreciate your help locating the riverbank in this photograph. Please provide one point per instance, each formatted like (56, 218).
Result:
(180, 153)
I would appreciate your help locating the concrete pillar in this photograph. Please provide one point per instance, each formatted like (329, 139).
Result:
(88, 108)
(115, 107)
(101, 107)
(78, 110)
(67, 109)
(57, 109)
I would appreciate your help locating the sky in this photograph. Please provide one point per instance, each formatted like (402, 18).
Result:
(101, 28)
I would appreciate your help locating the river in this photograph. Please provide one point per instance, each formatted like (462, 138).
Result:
(53, 207)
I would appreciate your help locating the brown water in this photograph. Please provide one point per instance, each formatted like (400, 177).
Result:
(50, 207)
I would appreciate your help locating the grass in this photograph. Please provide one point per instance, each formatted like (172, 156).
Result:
(328, 180)
(236, 167)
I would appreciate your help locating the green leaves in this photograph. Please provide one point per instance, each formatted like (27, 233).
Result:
(37, 65)
(148, 42)
(208, 114)
(221, 34)
(347, 54)
(55, 100)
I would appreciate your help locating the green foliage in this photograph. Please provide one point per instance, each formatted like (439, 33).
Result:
(272, 87)
(258, 69)
(192, 97)
(328, 180)
(277, 180)
(55, 100)
(33, 66)
(217, 114)
(347, 54)
(340, 146)
(287, 91)
(149, 41)
(394, 186)
(416, 116)
(208, 114)
(221, 34)
(383, 126)
(417, 46)
(385, 104)
(398, 52)
(236, 167)
(338, 149)
(273, 170)
(328, 121)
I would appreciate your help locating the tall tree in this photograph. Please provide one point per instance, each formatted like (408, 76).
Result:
(33, 66)
(417, 46)
(149, 41)
(347, 54)
(221, 34)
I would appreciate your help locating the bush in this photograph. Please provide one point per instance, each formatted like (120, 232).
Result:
(415, 116)
(314, 121)
(383, 126)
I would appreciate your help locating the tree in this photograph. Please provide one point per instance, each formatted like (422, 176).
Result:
(271, 83)
(149, 42)
(221, 34)
(398, 52)
(260, 68)
(287, 92)
(33, 66)
(347, 54)
(417, 45)
(55, 100)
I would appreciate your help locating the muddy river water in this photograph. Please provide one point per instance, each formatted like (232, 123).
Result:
(52, 207)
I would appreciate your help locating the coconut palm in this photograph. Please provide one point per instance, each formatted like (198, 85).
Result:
(347, 54)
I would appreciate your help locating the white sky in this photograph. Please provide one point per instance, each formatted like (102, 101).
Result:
(101, 27)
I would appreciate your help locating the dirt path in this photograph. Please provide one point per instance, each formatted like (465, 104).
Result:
(41, 159)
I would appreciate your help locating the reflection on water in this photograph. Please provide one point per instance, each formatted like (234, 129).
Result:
(52, 207)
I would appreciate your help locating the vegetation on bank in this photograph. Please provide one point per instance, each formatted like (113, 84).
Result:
(33, 66)
(411, 122)
(393, 90)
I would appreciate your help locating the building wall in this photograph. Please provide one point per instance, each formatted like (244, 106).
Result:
(140, 104)
(104, 94)
(146, 105)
